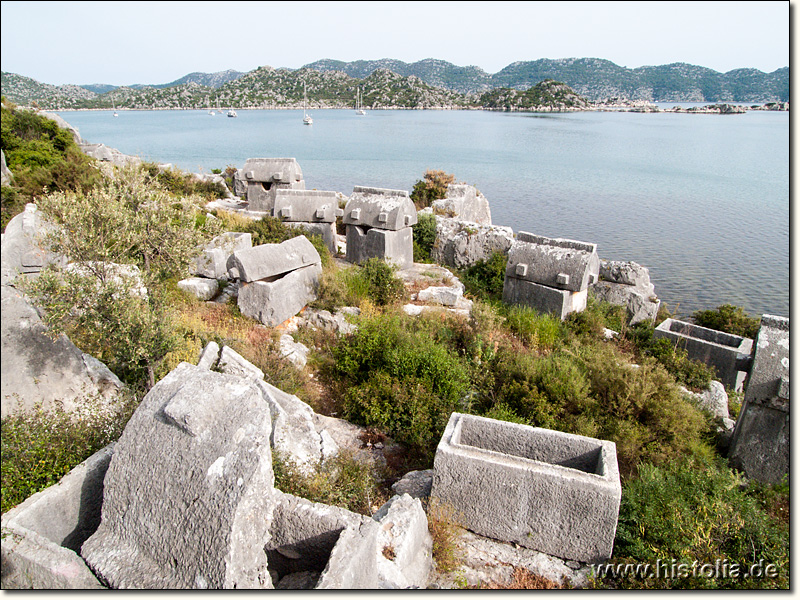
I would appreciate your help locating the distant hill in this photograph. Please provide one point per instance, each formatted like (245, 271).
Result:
(427, 83)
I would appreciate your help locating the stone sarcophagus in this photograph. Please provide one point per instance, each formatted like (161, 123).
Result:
(379, 225)
(313, 211)
(546, 490)
(264, 177)
(550, 274)
(728, 354)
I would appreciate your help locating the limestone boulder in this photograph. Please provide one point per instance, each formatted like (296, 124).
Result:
(465, 203)
(461, 244)
(189, 494)
(24, 247)
(405, 546)
(40, 370)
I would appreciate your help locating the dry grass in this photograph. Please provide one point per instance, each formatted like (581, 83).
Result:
(444, 530)
(523, 579)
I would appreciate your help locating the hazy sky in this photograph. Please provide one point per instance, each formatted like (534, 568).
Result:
(123, 43)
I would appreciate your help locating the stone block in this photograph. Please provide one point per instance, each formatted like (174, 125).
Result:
(273, 302)
(461, 244)
(465, 203)
(24, 248)
(726, 353)
(543, 298)
(405, 546)
(396, 247)
(309, 206)
(380, 208)
(43, 535)
(200, 287)
(554, 262)
(189, 493)
(273, 260)
(334, 547)
(327, 231)
(541, 489)
(213, 262)
(760, 445)
(641, 307)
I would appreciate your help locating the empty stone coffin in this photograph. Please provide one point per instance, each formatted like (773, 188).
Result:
(317, 546)
(266, 176)
(551, 275)
(546, 490)
(760, 445)
(728, 354)
(311, 210)
(276, 280)
(43, 535)
(378, 225)
(189, 493)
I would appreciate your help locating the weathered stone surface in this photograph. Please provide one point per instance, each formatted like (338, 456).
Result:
(189, 492)
(405, 546)
(465, 203)
(309, 206)
(6, 176)
(294, 434)
(76, 136)
(103, 153)
(309, 537)
(272, 260)
(416, 484)
(23, 245)
(641, 307)
(380, 208)
(209, 357)
(43, 534)
(266, 176)
(323, 319)
(714, 400)
(461, 244)
(233, 363)
(726, 353)
(557, 263)
(761, 446)
(294, 352)
(445, 296)
(327, 231)
(213, 261)
(550, 491)
(543, 298)
(272, 302)
(396, 247)
(37, 370)
(200, 287)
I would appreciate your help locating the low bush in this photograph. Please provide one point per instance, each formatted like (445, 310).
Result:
(540, 332)
(179, 183)
(342, 481)
(484, 280)
(41, 446)
(373, 283)
(694, 513)
(432, 186)
(730, 319)
(424, 237)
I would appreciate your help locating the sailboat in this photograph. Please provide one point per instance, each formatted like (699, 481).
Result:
(114, 105)
(307, 120)
(359, 108)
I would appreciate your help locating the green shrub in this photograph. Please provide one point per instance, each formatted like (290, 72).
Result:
(730, 319)
(432, 186)
(538, 331)
(424, 237)
(342, 481)
(40, 447)
(485, 279)
(689, 510)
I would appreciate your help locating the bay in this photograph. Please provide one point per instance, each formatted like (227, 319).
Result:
(701, 200)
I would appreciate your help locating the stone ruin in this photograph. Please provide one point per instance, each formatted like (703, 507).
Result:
(546, 490)
(23, 245)
(728, 354)
(310, 210)
(276, 280)
(186, 500)
(628, 284)
(378, 223)
(465, 203)
(264, 177)
(550, 275)
(760, 445)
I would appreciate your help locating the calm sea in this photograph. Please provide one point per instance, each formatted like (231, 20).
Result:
(702, 200)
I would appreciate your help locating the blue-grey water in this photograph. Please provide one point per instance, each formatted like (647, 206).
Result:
(702, 200)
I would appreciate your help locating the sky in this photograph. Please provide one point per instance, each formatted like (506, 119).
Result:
(124, 43)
